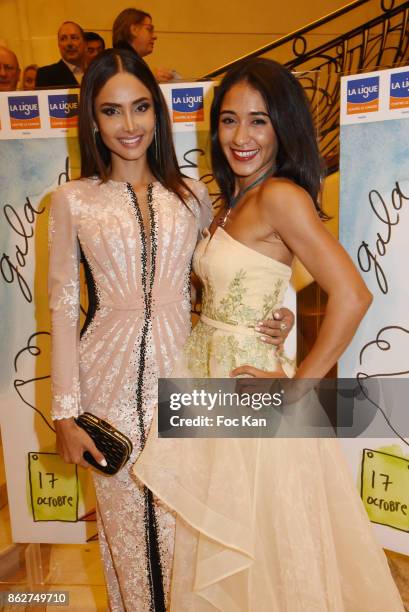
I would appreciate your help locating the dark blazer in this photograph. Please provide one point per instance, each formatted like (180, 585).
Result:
(55, 75)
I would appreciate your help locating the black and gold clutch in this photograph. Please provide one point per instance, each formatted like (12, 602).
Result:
(114, 445)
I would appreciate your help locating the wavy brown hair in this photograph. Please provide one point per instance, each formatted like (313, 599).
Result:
(95, 156)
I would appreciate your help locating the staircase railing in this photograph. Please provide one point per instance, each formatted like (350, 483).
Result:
(380, 42)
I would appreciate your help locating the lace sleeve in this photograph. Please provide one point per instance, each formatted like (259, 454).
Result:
(203, 209)
(64, 302)
(206, 210)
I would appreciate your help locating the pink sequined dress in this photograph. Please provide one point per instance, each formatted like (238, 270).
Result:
(137, 324)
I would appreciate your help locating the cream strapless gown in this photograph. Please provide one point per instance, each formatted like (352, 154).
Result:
(263, 525)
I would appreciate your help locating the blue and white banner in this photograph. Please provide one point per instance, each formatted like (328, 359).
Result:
(374, 228)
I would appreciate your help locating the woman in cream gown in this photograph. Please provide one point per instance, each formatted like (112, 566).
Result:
(266, 525)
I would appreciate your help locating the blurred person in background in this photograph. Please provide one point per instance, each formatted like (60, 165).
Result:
(133, 29)
(9, 70)
(94, 45)
(28, 82)
(68, 72)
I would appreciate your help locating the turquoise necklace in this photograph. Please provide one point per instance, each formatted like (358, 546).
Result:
(235, 200)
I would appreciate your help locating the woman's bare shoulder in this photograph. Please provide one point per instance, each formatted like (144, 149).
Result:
(279, 189)
(286, 206)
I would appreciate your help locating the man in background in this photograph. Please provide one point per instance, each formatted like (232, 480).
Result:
(9, 70)
(68, 72)
(94, 45)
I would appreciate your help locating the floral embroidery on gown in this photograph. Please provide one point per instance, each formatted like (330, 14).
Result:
(234, 299)
(263, 525)
(99, 373)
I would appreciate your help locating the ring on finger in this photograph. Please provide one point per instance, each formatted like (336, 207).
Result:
(283, 326)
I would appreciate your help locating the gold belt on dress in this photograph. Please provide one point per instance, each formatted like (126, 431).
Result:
(228, 327)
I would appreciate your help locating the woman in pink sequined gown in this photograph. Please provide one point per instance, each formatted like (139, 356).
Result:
(134, 221)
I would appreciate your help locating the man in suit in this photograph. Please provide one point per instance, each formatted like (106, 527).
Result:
(69, 70)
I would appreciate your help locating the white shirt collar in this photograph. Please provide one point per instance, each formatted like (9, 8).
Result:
(76, 70)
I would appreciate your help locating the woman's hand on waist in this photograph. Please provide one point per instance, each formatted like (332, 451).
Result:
(275, 331)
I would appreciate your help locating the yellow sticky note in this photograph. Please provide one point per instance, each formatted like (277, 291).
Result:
(53, 486)
(385, 488)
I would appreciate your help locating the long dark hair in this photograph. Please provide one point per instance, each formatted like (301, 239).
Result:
(298, 157)
(95, 156)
